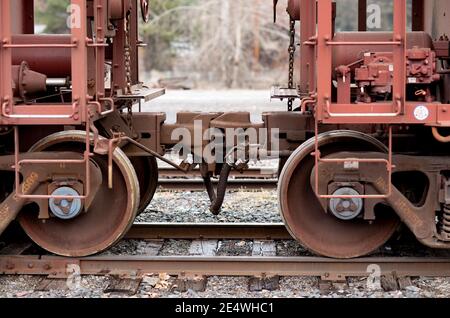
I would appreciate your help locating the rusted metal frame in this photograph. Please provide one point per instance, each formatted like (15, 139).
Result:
(153, 153)
(362, 15)
(100, 13)
(418, 15)
(2, 67)
(134, 42)
(34, 181)
(272, 231)
(5, 55)
(308, 14)
(119, 139)
(80, 61)
(118, 81)
(224, 266)
(336, 43)
(52, 115)
(23, 12)
(7, 104)
(368, 114)
(79, 79)
(437, 115)
(19, 163)
(399, 52)
(42, 46)
(420, 219)
(42, 112)
(319, 159)
(324, 55)
(28, 16)
(99, 108)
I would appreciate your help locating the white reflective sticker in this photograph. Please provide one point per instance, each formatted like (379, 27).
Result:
(421, 113)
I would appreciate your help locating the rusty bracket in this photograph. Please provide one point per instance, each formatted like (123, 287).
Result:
(35, 175)
(184, 168)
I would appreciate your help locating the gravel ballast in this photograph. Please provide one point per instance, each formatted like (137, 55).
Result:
(224, 287)
(241, 206)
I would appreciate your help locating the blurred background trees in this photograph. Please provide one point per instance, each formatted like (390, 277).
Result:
(215, 43)
(51, 16)
(227, 42)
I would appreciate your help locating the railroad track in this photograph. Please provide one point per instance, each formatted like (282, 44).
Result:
(330, 269)
(192, 266)
(233, 184)
(251, 179)
(259, 173)
(194, 231)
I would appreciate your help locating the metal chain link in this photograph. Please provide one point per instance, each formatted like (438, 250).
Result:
(127, 54)
(291, 61)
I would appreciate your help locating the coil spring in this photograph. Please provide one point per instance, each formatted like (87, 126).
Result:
(445, 221)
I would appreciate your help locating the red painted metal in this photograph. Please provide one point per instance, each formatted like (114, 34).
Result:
(329, 50)
(331, 47)
(23, 22)
(45, 114)
(53, 56)
(34, 49)
(362, 15)
(307, 52)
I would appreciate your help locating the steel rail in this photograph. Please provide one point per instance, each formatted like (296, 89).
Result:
(233, 184)
(331, 269)
(257, 173)
(192, 231)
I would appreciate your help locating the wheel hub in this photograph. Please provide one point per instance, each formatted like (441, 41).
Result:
(104, 221)
(305, 215)
(65, 209)
(346, 209)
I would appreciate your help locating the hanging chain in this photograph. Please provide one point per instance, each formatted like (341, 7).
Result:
(129, 117)
(291, 61)
(127, 53)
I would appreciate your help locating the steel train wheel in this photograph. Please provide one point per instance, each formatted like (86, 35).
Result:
(109, 217)
(147, 173)
(320, 232)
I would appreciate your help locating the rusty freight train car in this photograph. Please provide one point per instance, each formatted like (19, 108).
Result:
(365, 151)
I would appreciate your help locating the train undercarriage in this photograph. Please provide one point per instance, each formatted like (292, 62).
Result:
(365, 152)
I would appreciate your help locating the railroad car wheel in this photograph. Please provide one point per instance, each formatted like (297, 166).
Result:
(108, 218)
(320, 232)
(147, 173)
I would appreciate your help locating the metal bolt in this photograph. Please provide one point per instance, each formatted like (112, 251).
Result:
(30, 265)
(47, 267)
